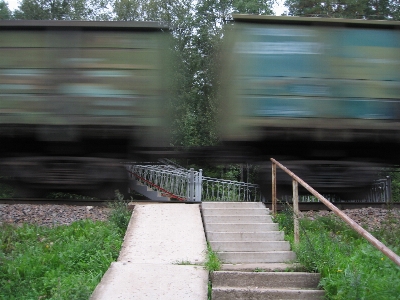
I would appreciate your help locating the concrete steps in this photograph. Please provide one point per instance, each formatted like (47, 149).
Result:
(243, 232)
(228, 285)
(246, 240)
(146, 191)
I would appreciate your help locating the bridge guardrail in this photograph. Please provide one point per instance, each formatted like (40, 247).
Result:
(183, 184)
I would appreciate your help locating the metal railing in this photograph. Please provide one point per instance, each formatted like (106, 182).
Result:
(215, 189)
(381, 191)
(182, 184)
(176, 183)
(296, 180)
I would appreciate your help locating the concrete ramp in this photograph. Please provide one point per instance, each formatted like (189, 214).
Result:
(162, 256)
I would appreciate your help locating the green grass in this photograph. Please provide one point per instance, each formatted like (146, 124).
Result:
(350, 267)
(65, 262)
(212, 264)
(212, 261)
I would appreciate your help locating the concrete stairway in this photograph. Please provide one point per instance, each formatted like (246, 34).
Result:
(246, 240)
(146, 191)
(243, 232)
(229, 285)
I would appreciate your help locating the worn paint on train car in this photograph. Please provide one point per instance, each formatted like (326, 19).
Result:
(73, 74)
(321, 77)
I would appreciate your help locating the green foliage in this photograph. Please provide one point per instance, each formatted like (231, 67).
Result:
(362, 9)
(350, 267)
(120, 214)
(65, 262)
(5, 12)
(212, 263)
(395, 177)
(63, 10)
(285, 220)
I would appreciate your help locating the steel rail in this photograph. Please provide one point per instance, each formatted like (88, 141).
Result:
(369, 237)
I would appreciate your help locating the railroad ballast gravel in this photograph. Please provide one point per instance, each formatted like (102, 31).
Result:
(55, 215)
(50, 215)
(370, 218)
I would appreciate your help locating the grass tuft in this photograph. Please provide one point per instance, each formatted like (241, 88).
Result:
(212, 263)
(120, 214)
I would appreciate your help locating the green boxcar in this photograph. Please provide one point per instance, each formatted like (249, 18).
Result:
(78, 99)
(311, 78)
(75, 74)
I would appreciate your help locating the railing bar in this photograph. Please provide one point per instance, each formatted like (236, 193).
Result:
(376, 243)
(296, 211)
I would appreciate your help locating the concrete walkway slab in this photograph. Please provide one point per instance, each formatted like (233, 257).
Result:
(152, 281)
(165, 234)
(160, 242)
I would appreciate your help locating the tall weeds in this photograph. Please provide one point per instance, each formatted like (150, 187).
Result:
(350, 267)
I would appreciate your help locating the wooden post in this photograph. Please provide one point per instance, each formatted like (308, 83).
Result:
(296, 211)
(274, 208)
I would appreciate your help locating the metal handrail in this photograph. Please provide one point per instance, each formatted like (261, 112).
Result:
(215, 189)
(183, 184)
(369, 237)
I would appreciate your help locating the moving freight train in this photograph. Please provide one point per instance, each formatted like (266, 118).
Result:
(79, 98)
(320, 94)
(76, 99)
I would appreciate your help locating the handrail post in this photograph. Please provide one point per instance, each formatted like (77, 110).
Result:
(296, 211)
(191, 184)
(199, 185)
(388, 190)
(274, 208)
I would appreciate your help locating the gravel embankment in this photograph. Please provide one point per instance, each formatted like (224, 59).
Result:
(50, 215)
(369, 218)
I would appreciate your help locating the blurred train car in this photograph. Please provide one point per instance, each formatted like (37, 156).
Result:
(322, 95)
(76, 100)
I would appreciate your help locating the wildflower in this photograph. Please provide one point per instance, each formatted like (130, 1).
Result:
(382, 258)
(339, 270)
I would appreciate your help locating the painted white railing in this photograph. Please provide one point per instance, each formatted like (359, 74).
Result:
(189, 185)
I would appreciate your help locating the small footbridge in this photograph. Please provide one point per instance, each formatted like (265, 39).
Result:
(170, 181)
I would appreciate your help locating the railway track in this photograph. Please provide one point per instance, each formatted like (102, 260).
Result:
(304, 206)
